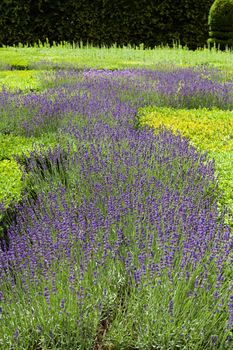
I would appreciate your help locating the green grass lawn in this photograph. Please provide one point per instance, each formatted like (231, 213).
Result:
(112, 58)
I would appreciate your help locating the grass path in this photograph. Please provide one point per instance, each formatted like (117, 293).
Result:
(111, 58)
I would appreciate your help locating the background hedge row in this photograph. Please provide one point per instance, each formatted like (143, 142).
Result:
(151, 22)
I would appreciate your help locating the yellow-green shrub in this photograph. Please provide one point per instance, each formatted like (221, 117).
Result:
(10, 173)
(21, 80)
(10, 181)
(210, 130)
(11, 145)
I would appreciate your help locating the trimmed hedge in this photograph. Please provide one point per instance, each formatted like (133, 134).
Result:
(221, 43)
(221, 35)
(105, 21)
(221, 15)
(220, 23)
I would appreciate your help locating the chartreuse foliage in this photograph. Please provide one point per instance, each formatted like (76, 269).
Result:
(10, 172)
(10, 181)
(209, 130)
(21, 79)
(12, 145)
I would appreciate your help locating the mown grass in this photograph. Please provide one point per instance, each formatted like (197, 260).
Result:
(42, 56)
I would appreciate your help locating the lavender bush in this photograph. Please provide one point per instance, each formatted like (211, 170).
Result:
(118, 243)
(34, 113)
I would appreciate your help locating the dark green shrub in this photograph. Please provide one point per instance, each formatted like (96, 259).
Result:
(220, 23)
(221, 35)
(105, 22)
(14, 21)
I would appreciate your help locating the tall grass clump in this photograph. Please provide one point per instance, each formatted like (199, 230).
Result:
(118, 242)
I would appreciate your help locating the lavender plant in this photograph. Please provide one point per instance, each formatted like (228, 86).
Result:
(35, 113)
(120, 244)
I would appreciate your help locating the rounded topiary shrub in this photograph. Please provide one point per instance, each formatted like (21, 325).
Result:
(220, 23)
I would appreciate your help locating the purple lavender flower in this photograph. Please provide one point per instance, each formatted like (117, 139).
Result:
(47, 295)
(171, 307)
(16, 334)
(149, 203)
(62, 304)
(230, 306)
(214, 339)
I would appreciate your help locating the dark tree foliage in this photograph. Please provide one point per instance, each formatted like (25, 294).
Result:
(151, 22)
(14, 21)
